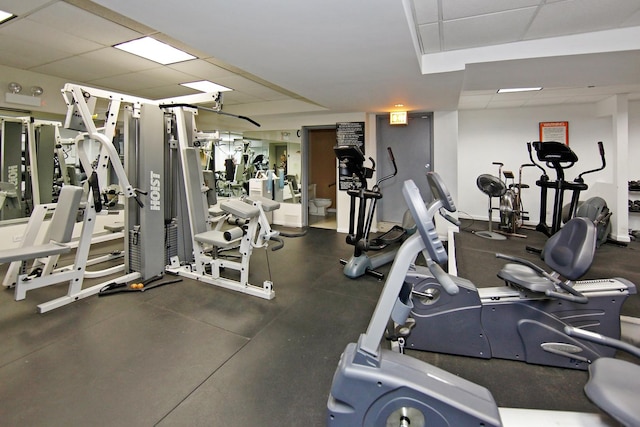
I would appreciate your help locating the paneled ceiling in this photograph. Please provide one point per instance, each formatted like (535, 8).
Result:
(292, 57)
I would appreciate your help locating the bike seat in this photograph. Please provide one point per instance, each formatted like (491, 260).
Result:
(526, 278)
(612, 386)
(569, 253)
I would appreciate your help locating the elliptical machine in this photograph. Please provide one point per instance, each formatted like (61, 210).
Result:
(364, 200)
(559, 157)
(377, 387)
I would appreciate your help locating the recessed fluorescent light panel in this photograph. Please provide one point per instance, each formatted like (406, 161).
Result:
(154, 50)
(519, 89)
(206, 86)
(5, 16)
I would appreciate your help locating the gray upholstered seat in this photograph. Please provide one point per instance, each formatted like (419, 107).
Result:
(569, 253)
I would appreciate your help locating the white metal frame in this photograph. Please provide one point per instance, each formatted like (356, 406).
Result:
(251, 239)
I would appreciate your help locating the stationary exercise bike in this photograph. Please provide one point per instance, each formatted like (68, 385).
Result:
(364, 200)
(511, 210)
(512, 213)
(559, 157)
(525, 319)
(378, 387)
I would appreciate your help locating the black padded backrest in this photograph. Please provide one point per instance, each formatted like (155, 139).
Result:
(571, 250)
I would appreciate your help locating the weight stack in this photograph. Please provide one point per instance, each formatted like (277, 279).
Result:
(136, 246)
(171, 242)
(135, 249)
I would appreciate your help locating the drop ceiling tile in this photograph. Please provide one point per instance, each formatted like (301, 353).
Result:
(454, 9)
(47, 36)
(73, 20)
(235, 97)
(22, 7)
(580, 16)
(75, 68)
(163, 92)
(242, 84)
(430, 38)
(166, 75)
(119, 61)
(495, 28)
(426, 11)
(132, 82)
(128, 83)
(26, 54)
(201, 69)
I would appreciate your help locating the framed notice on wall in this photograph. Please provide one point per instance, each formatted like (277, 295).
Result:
(554, 131)
(349, 133)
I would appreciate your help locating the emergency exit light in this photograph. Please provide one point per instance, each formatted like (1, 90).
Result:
(398, 118)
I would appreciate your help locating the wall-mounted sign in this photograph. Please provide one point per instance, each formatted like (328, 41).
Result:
(554, 131)
(349, 133)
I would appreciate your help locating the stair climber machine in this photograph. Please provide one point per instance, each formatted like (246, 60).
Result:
(560, 157)
(525, 319)
(379, 387)
(363, 201)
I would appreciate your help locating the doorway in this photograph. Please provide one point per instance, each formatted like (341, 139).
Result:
(322, 176)
(413, 150)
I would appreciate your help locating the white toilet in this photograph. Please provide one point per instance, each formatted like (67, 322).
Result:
(317, 206)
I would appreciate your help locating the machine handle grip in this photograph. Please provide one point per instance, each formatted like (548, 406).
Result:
(580, 299)
(451, 219)
(601, 148)
(442, 277)
(280, 244)
(571, 295)
(601, 339)
(393, 160)
(138, 201)
(521, 261)
(497, 163)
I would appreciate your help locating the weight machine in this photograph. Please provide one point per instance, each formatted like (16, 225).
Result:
(46, 251)
(200, 248)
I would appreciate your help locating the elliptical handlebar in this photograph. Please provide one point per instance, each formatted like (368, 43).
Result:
(533, 162)
(604, 163)
(395, 167)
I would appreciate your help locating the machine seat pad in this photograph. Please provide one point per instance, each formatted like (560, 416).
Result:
(215, 238)
(268, 205)
(526, 278)
(33, 252)
(239, 208)
(215, 211)
(612, 386)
